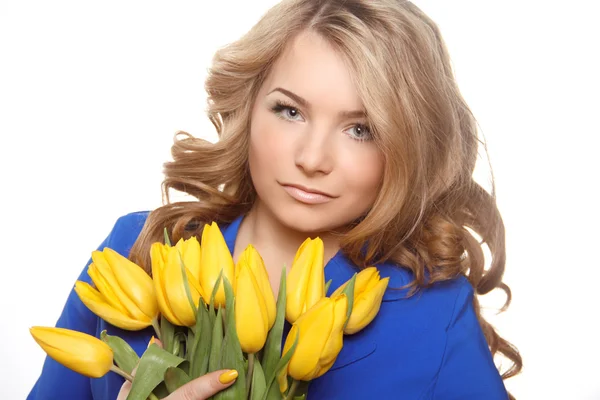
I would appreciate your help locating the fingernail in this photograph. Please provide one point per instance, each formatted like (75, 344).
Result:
(228, 377)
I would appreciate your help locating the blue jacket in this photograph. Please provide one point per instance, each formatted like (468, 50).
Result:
(428, 346)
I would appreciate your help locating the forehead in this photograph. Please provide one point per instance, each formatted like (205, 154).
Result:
(313, 69)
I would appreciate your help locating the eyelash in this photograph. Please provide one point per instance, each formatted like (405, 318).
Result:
(281, 105)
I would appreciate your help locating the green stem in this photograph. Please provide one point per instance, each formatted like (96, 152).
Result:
(250, 370)
(122, 373)
(156, 327)
(292, 391)
(152, 396)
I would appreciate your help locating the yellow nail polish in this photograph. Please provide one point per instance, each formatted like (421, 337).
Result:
(228, 377)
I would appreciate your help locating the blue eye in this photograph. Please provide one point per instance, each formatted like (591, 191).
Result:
(286, 111)
(361, 132)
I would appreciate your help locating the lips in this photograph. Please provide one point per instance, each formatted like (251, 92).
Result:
(307, 195)
(309, 190)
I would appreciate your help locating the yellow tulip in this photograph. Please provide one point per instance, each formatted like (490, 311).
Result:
(215, 257)
(123, 294)
(252, 301)
(369, 289)
(82, 353)
(251, 257)
(172, 297)
(320, 339)
(306, 279)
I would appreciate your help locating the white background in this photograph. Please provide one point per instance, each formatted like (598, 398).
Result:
(92, 93)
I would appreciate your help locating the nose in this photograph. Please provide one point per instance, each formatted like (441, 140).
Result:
(314, 153)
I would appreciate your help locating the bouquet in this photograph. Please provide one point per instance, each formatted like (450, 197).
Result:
(210, 314)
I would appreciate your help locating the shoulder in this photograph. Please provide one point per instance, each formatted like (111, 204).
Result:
(125, 231)
(442, 301)
(412, 342)
(129, 224)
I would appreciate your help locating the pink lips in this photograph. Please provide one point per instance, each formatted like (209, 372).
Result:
(306, 196)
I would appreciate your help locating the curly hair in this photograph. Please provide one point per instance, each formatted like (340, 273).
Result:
(429, 206)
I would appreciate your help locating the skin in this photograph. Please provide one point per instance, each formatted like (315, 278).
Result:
(311, 145)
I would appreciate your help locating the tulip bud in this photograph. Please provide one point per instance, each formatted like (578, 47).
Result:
(369, 289)
(306, 279)
(123, 294)
(320, 338)
(82, 353)
(252, 258)
(173, 300)
(251, 311)
(215, 257)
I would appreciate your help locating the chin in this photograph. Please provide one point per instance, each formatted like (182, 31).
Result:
(306, 219)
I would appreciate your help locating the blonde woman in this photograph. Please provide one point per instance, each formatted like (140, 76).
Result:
(339, 119)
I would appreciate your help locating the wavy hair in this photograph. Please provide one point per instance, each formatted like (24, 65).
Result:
(428, 204)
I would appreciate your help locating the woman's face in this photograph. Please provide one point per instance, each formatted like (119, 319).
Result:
(312, 160)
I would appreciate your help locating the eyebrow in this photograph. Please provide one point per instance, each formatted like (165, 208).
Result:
(304, 103)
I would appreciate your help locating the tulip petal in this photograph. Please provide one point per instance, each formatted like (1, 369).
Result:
(104, 288)
(175, 290)
(134, 281)
(314, 328)
(82, 353)
(335, 341)
(251, 318)
(306, 280)
(366, 307)
(316, 287)
(105, 270)
(215, 256)
(158, 265)
(257, 266)
(365, 279)
(190, 250)
(98, 305)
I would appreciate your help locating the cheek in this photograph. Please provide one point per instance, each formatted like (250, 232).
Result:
(266, 148)
(363, 172)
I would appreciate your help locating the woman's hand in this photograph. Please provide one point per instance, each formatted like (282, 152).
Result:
(198, 389)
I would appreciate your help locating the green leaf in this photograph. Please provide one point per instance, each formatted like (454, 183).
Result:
(175, 378)
(167, 332)
(272, 349)
(211, 313)
(272, 386)
(214, 361)
(186, 283)
(259, 385)
(161, 390)
(349, 291)
(166, 235)
(327, 285)
(200, 350)
(179, 348)
(151, 371)
(190, 339)
(232, 356)
(125, 357)
(301, 390)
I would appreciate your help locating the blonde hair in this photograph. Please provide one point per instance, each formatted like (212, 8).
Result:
(425, 130)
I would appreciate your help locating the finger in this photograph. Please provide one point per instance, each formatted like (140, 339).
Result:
(155, 341)
(125, 388)
(206, 386)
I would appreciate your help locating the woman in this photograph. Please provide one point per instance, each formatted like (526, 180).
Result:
(339, 119)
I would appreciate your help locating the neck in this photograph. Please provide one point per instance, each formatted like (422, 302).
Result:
(276, 243)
